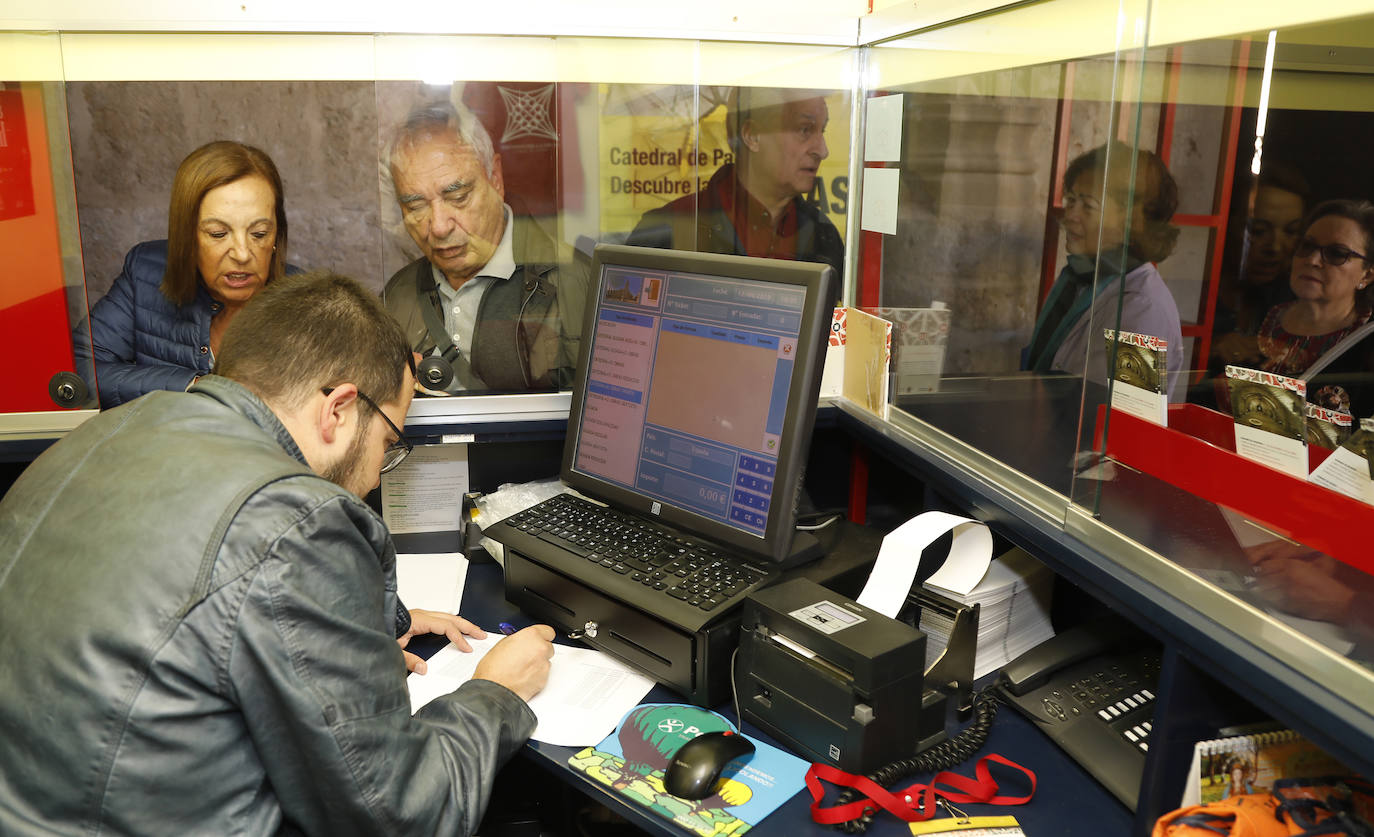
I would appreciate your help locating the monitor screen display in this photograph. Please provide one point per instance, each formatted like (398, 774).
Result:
(698, 378)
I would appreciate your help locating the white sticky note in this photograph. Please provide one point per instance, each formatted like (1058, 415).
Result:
(880, 201)
(883, 129)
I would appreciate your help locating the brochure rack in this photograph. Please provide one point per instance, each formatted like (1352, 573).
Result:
(1196, 452)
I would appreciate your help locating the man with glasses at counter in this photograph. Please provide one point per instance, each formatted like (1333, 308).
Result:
(494, 300)
(198, 627)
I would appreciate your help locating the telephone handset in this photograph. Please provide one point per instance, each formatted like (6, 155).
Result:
(1033, 668)
(1091, 690)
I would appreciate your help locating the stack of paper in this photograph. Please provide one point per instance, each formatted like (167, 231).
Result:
(432, 581)
(1014, 616)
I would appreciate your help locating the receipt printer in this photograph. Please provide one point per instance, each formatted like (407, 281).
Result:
(842, 684)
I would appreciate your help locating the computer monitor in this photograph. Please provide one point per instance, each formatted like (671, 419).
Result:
(696, 389)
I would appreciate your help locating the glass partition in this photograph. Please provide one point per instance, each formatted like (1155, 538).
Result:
(1097, 209)
(545, 146)
(1262, 475)
(1010, 128)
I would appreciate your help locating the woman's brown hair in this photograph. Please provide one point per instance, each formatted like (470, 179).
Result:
(209, 167)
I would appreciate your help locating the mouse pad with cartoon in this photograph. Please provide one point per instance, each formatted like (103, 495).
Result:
(632, 761)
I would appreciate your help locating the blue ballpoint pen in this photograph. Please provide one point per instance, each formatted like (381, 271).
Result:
(507, 628)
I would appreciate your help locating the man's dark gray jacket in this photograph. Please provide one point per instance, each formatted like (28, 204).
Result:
(196, 637)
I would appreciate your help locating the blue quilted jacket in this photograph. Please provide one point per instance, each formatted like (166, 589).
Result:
(144, 341)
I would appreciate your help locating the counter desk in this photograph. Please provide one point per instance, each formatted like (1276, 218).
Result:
(1067, 800)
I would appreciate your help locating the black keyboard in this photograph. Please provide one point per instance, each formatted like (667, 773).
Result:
(657, 570)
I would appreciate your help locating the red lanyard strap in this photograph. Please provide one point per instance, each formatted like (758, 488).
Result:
(915, 802)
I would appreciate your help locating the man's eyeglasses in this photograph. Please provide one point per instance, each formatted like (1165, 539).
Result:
(1332, 254)
(398, 450)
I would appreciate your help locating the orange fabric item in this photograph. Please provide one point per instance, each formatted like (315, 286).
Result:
(1245, 815)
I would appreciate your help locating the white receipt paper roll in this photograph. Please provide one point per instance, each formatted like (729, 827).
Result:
(900, 555)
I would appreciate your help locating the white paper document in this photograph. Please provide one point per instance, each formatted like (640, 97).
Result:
(1347, 472)
(900, 556)
(587, 694)
(432, 581)
(1278, 452)
(425, 493)
(879, 209)
(883, 129)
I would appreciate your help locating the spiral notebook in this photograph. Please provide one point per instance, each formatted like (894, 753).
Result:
(1224, 767)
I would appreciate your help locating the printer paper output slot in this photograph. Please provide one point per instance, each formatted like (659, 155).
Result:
(807, 654)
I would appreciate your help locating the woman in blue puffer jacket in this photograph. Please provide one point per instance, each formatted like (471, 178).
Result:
(160, 323)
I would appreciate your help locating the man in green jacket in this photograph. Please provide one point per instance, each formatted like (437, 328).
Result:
(198, 611)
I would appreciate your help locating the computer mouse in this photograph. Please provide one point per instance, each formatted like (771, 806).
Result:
(695, 771)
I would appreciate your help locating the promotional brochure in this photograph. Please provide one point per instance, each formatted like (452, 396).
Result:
(1326, 427)
(1349, 469)
(919, 336)
(1271, 418)
(632, 762)
(1225, 767)
(867, 361)
(1139, 374)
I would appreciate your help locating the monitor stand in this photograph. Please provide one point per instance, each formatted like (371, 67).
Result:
(805, 548)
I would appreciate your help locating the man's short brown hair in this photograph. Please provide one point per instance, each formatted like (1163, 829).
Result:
(317, 329)
(209, 167)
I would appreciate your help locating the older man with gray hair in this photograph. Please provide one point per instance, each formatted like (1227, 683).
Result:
(494, 303)
(753, 205)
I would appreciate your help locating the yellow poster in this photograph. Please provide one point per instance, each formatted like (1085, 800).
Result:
(659, 143)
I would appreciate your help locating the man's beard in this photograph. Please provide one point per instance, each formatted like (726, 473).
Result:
(346, 472)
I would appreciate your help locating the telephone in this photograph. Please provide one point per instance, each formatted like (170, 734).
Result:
(1091, 689)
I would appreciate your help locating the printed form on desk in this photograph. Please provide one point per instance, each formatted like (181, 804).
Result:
(587, 694)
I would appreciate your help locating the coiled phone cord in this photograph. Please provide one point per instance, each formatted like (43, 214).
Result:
(944, 755)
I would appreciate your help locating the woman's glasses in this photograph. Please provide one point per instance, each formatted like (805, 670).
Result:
(1332, 254)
